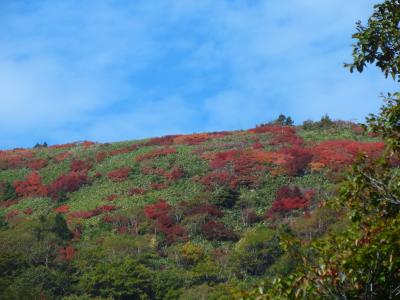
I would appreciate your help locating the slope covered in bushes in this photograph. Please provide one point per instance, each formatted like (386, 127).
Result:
(183, 216)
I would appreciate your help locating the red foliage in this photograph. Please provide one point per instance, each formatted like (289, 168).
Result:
(67, 253)
(123, 224)
(258, 145)
(68, 182)
(162, 141)
(338, 154)
(31, 187)
(61, 157)
(220, 159)
(101, 156)
(85, 214)
(175, 233)
(62, 146)
(123, 150)
(175, 174)
(214, 230)
(37, 164)
(136, 191)
(153, 171)
(63, 209)
(111, 197)
(206, 209)
(296, 159)
(161, 212)
(282, 135)
(239, 168)
(11, 215)
(119, 174)
(154, 211)
(107, 208)
(97, 175)
(156, 153)
(214, 178)
(80, 165)
(28, 211)
(16, 158)
(158, 186)
(288, 199)
(86, 144)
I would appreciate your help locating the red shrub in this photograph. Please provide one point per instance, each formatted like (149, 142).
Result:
(340, 153)
(63, 209)
(214, 230)
(296, 159)
(123, 150)
(30, 187)
(61, 157)
(281, 135)
(258, 145)
(28, 211)
(107, 208)
(153, 171)
(37, 164)
(162, 141)
(240, 168)
(215, 178)
(136, 191)
(68, 182)
(80, 165)
(62, 146)
(160, 208)
(197, 138)
(175, 174)
(111, 197)
(11, 215)
(119, 174)
(97, 175)
(206, 209)
(158, 186)
(161, 212)
(101, 156)
(67, 253)
(175, 233)
(156, 153)
(85, 214)
(288, 199)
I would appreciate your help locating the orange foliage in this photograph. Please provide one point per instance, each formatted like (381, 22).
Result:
(63, 209)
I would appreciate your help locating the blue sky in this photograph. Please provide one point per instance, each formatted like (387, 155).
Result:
(116, 70)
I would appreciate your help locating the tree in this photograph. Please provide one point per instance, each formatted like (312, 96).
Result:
(257, 250)
(7, 191)
(379, 41)
(60, 228)
(123, 279)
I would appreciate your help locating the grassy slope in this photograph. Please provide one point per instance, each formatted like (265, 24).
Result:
(185, 189)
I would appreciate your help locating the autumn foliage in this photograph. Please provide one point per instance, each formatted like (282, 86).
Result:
(156, 153)
(338, 154)
(214, 230)
(120, 174)
(68, 182)
(32, 186)
(288, 199)
(162, 213)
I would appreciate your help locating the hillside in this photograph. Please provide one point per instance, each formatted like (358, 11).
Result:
(185, 216)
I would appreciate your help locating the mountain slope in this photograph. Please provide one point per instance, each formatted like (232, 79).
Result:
(202, 208)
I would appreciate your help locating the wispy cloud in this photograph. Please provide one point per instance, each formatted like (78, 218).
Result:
(110, 70)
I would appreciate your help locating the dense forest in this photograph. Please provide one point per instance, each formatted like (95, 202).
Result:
(277, 211)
